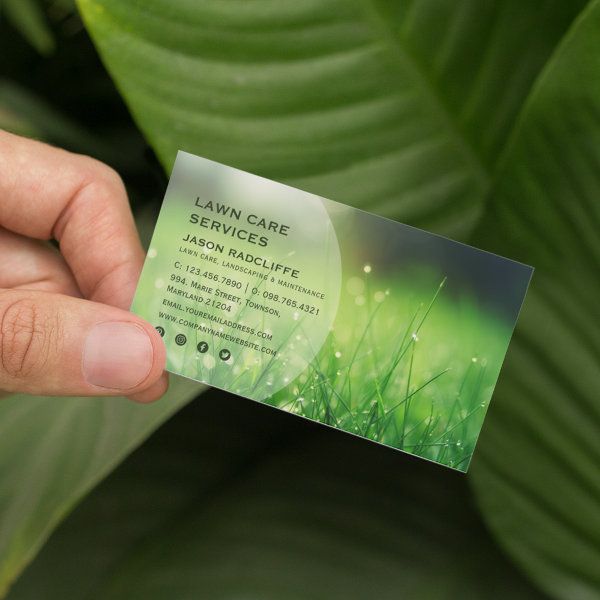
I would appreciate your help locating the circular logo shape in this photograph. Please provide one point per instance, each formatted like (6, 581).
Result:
(180, 339)
(202, 347)
(161, 331)
(224, 354)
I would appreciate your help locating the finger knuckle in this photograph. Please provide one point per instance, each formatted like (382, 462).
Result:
(27, 335)
(102, 175)
(102, 191)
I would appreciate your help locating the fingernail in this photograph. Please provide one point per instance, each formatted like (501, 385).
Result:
(117, 355)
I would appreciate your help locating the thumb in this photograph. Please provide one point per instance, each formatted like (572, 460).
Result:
(58, 345)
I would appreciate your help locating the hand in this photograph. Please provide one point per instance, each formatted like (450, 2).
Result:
(65, 328)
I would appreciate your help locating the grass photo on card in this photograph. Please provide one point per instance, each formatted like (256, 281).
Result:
(331, 313)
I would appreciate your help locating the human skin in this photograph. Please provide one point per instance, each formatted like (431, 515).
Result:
(65, 328)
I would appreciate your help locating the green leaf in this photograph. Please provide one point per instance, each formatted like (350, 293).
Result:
(27, 16)
(399, 107)
(24, 113)
(403, 108)
(54, 450)
(351, 101)
(536, 471)
(233, 500)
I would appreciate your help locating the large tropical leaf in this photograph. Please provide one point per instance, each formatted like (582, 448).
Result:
(53, 451)
(537, 470)
(322, 516)
(397, 107)
(403, 108)
(24, 113)
(28, 17)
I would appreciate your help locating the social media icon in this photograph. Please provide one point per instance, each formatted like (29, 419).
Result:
(202, 347)
(180, 339)
(224, 354)
(161, 331)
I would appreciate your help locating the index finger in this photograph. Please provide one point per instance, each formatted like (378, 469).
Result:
(46, 193)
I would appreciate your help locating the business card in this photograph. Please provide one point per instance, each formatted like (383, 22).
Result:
(329, 312)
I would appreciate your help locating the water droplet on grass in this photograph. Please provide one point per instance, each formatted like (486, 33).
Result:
(355, 286)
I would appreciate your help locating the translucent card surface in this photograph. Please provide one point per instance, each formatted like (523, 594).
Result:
(328, 312)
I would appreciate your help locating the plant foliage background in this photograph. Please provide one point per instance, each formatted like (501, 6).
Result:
(478, 120)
